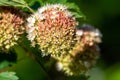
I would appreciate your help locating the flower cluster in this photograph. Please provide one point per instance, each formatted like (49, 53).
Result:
(11, 27)
(84, 54)
(53, 28)
(78, 64)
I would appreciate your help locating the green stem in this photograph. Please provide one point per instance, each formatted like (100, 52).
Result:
(31, 10)
(25, 5)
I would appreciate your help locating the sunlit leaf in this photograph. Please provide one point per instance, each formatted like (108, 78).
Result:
(16, 3)
(8, 76)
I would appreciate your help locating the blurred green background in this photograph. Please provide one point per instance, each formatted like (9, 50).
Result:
(103, 14)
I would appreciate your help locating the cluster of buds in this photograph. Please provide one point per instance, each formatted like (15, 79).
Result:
(53, 28)
(11, 27)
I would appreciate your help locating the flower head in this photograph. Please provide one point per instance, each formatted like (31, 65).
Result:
(88, 35)
(78, 64)
(11, 27)
(52, 27)
(82, 57)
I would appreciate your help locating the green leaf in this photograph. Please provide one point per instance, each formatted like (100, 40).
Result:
(75, 9)
(4, 64)
(57, 1)
(43, 2)
(28, 69)
(15, 3)
(78, 15)
(8, 76)
(31, 2)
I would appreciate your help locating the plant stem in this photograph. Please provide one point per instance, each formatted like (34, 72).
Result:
(31, 10)
(24, 5)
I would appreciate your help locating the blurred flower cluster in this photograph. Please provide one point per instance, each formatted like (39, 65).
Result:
(84, 54)
(54, 29)
(11, 27)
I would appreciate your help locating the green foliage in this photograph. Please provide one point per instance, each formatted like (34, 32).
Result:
(75, 10)
(8, 76)
(82, 77)
(54, 1)
(24, 4)
(4, 64)
(15, 3)
(28, 69)
(30, 2)
(113, 72)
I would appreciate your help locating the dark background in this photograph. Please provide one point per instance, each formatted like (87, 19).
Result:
(105, 14)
